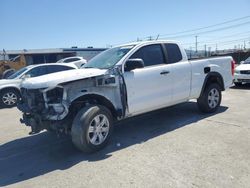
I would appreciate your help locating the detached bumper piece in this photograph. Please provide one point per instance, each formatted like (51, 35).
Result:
(32, 121)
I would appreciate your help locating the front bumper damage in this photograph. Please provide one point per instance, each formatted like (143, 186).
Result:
(55, 107)
(43, 109)
(34, 122)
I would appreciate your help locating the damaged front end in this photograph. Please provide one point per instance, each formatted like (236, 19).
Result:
(43, 108)
(54, 108)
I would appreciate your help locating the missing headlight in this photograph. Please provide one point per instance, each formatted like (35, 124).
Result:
(58, 108)
(55, 95)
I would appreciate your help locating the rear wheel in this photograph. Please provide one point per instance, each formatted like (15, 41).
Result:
(9, 98)
(92, 128)
(210, 99)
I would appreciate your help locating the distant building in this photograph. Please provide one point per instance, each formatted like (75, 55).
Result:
(38, 56)
(238, 55)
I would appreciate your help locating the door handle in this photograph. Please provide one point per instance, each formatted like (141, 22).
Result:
(165, 72)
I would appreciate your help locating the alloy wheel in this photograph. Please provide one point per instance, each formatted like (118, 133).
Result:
(213, 98)
(98, 129)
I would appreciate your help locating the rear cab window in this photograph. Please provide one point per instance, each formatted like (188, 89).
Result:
(173, 53)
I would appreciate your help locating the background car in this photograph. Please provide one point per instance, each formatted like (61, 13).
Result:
(242, 73)
(10, 87)
(78, 61)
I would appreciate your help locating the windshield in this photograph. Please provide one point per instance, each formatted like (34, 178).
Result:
(108, 58)
(18, 73)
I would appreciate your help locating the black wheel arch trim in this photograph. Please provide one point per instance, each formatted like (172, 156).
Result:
(213, 77)
(97, 99)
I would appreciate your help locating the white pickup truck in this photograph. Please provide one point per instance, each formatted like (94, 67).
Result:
(121, 82)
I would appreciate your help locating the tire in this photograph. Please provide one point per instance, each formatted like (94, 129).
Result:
(9, 98)
(8, 73)
(210, 99)
(88, 135)
(238, 84)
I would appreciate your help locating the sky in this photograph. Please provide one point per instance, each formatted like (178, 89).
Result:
(38, 24)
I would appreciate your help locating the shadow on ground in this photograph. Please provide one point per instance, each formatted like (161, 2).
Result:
(36, 155)
(6, 107)
(243, 86)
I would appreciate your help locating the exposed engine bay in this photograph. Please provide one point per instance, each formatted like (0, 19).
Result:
(53, 108)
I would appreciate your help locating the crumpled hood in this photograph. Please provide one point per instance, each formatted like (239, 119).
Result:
(52, 80)
(243, 67)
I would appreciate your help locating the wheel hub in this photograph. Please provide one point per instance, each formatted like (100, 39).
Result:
(213, 98)
(98, 129)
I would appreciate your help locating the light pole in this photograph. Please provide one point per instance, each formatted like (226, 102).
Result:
(196, 43)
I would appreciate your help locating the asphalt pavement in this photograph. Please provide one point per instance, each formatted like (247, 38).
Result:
(173, 147)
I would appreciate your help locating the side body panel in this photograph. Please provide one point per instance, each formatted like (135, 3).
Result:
(221, 65)
(181, 73)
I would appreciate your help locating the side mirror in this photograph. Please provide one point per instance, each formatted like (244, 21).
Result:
(132, 64)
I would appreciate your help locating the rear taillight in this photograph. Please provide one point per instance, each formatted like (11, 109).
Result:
(232, 66)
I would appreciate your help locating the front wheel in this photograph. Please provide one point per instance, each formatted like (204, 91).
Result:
(92, 128)
(210, 99)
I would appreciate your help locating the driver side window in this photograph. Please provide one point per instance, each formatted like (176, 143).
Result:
(151, 55)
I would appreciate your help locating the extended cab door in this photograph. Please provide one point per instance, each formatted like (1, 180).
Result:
(181, 72)
(150, 87)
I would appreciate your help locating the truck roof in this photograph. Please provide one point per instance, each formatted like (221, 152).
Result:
(143, 43)
(148, 42)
